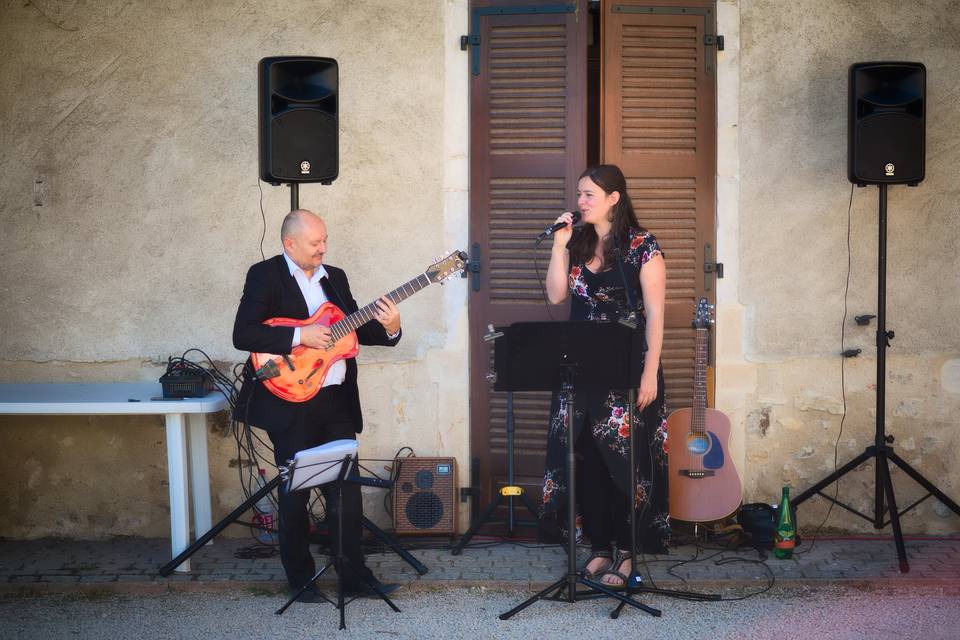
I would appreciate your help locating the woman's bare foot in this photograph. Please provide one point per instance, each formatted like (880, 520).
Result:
(618, 576)
(597, 565)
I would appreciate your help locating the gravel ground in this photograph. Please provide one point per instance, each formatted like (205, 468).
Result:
(845, 612)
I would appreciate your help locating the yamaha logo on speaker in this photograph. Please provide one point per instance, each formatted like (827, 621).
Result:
(889, 168)
(305, 167)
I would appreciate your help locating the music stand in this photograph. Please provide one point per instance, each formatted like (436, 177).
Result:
(569, 356)
(330, 463)
(510, 491)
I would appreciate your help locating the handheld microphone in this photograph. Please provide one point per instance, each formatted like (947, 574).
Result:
(556, 227)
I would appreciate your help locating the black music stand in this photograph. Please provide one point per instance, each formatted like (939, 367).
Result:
(510, 491)
(581, 356)
(338, 560)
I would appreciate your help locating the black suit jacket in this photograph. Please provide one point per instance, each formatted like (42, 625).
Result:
(269, 292)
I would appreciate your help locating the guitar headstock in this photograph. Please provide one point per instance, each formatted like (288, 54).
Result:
(703, 316)
(447, 266)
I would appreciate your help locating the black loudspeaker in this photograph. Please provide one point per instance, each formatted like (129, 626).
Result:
(424, 496)
(886, 128)
(299, 132)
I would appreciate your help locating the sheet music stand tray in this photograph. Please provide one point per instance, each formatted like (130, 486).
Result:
(331, 463)
(574, 356)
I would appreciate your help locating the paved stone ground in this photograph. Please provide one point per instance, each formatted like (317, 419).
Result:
(50, 565)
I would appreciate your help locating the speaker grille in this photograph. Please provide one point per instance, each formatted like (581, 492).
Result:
(886, 122)
(424, 496)
(304, 146)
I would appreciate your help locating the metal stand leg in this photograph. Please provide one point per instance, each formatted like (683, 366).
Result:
(386, 539)
(168, 568)
(341, 564)
(634, 581)
(572, 578)
(509, 492)
(884, 500)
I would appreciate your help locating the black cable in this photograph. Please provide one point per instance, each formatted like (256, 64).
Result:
(721, 561)
(394, 471)
(843, 383)
(249, 460)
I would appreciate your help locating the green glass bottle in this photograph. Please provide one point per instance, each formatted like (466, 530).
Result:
(785, 535)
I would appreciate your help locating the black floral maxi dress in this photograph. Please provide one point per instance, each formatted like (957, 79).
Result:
(599, 296)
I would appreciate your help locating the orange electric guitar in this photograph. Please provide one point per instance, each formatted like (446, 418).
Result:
(297, 377)
(704, 484)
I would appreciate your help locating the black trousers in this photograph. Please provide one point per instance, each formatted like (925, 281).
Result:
(294, 525)
(604, 507)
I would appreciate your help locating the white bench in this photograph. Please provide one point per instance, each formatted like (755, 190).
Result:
(186, 436)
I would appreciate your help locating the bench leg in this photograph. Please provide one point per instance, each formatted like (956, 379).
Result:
(199, 473)
(177, 474)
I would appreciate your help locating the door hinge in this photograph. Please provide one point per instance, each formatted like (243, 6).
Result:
(710, 268)
(709, 40)
(713, 267)
(469, 41)
(473, 267)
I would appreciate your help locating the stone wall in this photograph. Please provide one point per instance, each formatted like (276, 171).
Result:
(783, 225)
(131, 209)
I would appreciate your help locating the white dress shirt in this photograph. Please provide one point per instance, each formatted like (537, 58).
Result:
(314, 296)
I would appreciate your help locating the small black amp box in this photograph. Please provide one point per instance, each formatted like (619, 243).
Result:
(183, 384)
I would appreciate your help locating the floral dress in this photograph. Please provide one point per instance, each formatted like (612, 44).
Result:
(601, 296)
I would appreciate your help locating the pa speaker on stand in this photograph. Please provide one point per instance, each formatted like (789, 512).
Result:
(887, 133)
(298, 121)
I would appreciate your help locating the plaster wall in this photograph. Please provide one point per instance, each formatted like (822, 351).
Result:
(131, 209)
(782, 217)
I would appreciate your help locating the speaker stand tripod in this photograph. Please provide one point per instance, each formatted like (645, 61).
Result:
(508, 492)
(882, 448)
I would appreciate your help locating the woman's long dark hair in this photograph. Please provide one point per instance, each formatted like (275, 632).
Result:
(582, 246)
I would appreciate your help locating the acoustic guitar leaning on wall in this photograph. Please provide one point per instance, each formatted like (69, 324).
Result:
(704, 485)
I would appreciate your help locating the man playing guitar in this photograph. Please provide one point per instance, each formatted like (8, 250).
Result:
(294, 285)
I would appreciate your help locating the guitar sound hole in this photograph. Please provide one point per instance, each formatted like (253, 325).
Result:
(698, 444)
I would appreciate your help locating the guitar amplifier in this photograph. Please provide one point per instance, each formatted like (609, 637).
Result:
(424, 496)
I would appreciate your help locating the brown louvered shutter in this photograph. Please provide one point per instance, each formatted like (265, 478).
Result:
(659, 127)
(527, 146)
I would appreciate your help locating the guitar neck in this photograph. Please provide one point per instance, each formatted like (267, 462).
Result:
(365, 314)
(700, 384)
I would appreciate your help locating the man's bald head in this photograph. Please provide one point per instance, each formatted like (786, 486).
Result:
(304, 237)
(295, 222)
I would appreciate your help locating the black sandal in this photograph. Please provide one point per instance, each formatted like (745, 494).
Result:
(590, 575)
(618, 559)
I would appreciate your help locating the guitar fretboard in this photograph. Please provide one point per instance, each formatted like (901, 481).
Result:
(365, 314)
(700, 384)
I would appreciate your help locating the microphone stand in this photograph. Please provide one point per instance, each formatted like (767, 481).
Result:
(634, 580)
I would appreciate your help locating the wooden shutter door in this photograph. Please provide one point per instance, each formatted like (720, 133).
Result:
(527, 147)
(659, 126)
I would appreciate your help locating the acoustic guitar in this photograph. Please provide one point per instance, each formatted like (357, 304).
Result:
(704, 485)
(299, 375)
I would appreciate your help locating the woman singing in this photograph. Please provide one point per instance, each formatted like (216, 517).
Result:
(584, 265)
